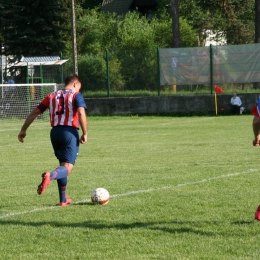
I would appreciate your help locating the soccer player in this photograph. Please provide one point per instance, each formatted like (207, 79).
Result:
(67, 112)
(256, 142)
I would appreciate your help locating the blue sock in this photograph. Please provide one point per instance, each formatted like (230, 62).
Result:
(59, 173)
(62, 185)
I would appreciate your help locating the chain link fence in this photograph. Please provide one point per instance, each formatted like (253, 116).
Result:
(160, 71)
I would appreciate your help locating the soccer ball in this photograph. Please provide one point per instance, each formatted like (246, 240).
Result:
(100, 196)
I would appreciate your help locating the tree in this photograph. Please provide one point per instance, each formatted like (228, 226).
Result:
(175, 24)
(33, 28)
(98, 31)
(90, 4)
(257, 31)
(239, 21)
(234, 19)
(257, 21)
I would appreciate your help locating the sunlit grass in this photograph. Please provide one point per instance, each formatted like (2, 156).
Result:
(181, 188)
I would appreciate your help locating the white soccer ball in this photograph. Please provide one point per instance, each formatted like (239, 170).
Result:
(100, 196)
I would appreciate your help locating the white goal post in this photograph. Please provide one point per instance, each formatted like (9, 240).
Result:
(18, 100)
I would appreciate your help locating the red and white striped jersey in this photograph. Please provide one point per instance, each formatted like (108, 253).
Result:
(63, 105)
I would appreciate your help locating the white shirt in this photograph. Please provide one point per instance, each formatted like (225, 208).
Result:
(236, 101)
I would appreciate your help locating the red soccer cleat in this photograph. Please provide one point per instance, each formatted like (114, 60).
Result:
(257, 213)
(45, 183)
(68, 201)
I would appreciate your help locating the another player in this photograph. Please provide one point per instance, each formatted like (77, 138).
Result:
(256, 122)
(256, 130)
(256, 142)
(67, 111)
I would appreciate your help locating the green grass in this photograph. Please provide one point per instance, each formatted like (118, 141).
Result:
(181, 188)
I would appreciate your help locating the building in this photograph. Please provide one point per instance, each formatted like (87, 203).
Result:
(121, 7)
(47, 69)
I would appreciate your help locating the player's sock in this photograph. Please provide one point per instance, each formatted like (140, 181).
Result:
(59, 173)
(62, 185)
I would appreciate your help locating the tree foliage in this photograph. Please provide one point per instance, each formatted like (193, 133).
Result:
(37, 27)
(100, 31)
(233, 18)
(257, 21)
(131, 40)
(33, 27)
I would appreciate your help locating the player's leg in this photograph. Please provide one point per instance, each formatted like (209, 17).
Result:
(67, 161)
(66, 153)
(257, 213)
(59, 173)
(65, 143)
(45, 183)
(46, 176)
(256, 130)
(62, 184)
(62, 181)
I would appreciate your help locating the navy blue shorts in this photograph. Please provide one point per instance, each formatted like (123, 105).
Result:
(65, 143)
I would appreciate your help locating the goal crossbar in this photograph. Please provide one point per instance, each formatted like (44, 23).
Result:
(29, 84)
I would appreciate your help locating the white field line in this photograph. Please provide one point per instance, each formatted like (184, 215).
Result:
(133, 192)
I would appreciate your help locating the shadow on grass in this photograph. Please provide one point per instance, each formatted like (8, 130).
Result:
(154, 226)
(243, 222)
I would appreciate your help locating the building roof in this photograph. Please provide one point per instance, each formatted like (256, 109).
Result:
(37, 61)
(40, 59)
(123, 6)
(144, 2)
(116, 6)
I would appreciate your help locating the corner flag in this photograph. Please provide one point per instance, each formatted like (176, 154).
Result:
(218, 89)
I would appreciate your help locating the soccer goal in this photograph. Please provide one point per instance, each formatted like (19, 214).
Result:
(18, 100)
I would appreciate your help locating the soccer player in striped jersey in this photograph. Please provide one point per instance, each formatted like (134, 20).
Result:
(67, 110)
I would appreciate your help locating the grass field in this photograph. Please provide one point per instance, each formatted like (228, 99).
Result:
(181, 188)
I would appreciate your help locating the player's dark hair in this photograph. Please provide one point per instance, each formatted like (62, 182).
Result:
(71, 78)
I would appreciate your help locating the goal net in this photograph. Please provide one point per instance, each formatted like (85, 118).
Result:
(18, 100)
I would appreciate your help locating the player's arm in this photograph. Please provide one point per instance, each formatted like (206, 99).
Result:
(27, 123)
(83, 124)
(256, 130)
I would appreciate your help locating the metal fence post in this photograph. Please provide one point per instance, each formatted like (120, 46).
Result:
(61, 79)
(108, 75)
(211, 68)
(158, 71)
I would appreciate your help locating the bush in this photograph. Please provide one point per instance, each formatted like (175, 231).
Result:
(92, 70)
